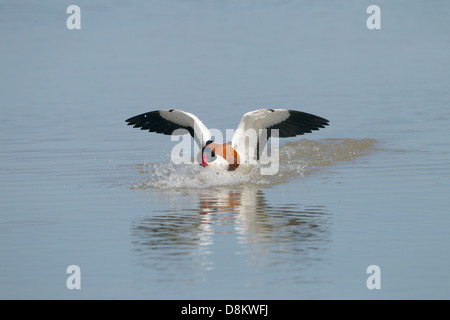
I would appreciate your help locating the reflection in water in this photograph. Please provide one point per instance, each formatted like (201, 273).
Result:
(215, 217)
(181, 244)
(172, 243)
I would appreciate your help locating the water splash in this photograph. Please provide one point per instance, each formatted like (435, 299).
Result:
(297, 159)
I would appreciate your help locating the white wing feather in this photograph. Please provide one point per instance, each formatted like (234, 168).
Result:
(186, 119)
(172, 122)
(256, 127)
(247, 138)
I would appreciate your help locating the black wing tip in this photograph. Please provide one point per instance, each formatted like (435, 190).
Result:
(140, 117)
(299, 123)
(154, 122)
(129, 120)
(323, 122)
(319, 121)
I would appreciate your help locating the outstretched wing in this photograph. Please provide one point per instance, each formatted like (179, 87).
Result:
(250, 141)
(169, 121)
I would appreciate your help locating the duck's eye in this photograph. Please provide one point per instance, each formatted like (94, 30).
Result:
(210, 154)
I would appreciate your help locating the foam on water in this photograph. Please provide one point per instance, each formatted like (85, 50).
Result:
(296, 159)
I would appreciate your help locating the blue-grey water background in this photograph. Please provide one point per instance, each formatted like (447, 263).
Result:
(79, 187)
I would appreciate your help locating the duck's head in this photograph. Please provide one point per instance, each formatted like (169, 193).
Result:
(207, 154)
(218, 155)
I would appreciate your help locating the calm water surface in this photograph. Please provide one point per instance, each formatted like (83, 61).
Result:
(79, 187)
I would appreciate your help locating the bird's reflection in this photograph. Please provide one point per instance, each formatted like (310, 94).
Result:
(186, 236)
